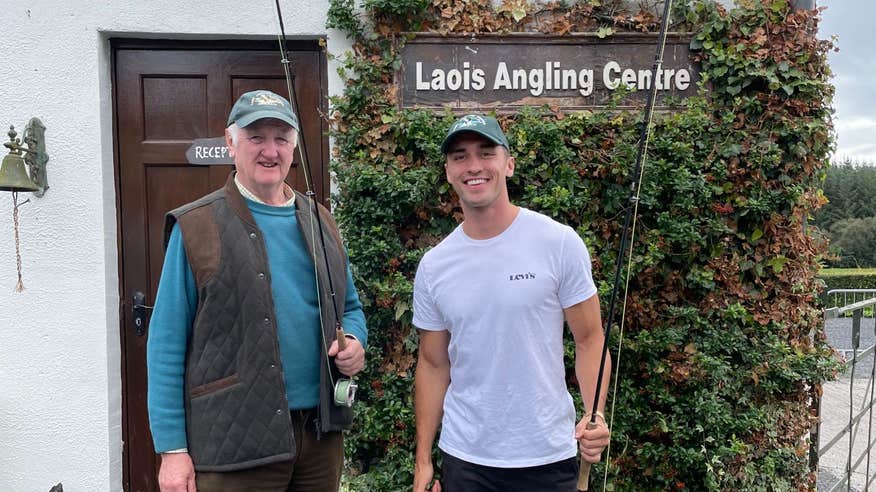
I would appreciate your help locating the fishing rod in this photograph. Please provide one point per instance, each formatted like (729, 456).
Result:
(627, 235)
(344, 389)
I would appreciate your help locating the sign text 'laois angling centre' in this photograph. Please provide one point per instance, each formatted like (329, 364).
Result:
(572, 72)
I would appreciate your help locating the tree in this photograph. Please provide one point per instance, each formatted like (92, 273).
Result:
(855, 239)
(848, 217)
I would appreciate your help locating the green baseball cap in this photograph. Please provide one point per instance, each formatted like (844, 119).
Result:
(256, 105)
(486, 126)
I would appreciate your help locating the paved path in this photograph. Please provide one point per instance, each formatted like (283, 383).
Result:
(839, 333)
(835, 409)
(835, 413)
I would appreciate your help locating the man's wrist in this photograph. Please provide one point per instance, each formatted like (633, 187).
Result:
(421, 456)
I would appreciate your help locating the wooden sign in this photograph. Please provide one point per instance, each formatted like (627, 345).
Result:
(505, 72)
(208, 152)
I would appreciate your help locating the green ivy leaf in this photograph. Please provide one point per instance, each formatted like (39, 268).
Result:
(518, 13)
(664, 427)
(777, 263)
(401, 307)
(604, 32)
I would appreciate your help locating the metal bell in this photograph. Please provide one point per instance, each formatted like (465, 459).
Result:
(13, 174)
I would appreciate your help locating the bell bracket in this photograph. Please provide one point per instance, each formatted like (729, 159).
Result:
(35, 155)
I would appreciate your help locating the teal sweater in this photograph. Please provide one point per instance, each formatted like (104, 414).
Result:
(295, 299)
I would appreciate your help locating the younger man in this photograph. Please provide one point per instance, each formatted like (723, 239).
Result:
(489, 303)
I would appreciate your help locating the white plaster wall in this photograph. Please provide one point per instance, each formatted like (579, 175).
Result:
(60, 386)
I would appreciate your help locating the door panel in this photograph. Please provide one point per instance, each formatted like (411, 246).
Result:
(165, 95)
(177, 108)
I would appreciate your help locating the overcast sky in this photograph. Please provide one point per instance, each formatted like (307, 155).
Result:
(854, 75)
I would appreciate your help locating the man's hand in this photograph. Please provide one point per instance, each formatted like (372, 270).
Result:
(351, 360)
(591, 442)
(177, 473)
(423, 474)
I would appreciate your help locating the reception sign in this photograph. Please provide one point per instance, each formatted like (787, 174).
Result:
(208, 152)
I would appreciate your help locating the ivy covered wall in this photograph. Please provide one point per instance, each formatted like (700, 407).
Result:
(723, 345)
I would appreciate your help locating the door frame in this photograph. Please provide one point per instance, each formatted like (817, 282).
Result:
(314, 43)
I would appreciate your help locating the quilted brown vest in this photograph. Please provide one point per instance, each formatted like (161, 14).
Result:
(237, 415)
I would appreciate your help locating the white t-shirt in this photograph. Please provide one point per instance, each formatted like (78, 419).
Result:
(502, 301)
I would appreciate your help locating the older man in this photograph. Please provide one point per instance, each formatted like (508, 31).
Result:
(242, 357)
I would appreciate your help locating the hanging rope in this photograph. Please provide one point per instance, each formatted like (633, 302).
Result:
(19, 286)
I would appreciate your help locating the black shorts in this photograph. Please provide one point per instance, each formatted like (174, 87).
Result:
(461, 476)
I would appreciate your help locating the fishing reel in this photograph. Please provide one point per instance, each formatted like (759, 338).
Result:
(345, 388)
(345, 392)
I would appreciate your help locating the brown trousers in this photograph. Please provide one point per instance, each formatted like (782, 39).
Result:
(316, 466)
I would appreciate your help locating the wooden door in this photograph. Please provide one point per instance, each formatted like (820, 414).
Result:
(165, 95)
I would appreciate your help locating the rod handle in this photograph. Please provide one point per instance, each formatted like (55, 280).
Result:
(342, 339)
(584, 469)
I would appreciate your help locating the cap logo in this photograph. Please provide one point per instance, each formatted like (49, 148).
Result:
(264, 99)
(467, 121)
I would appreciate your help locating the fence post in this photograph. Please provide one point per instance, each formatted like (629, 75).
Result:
(815, 430)
(870, 415)
(856, 343)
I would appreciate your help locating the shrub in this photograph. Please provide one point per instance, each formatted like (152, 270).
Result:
(848, 278)
(718, 363)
